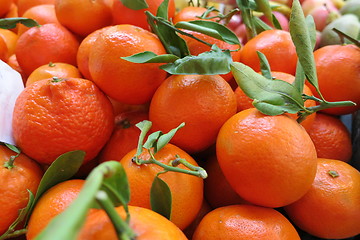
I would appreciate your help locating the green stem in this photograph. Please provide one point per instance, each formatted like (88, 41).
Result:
(197, 171)
(343, 35)
(122, 229)
(14, 234)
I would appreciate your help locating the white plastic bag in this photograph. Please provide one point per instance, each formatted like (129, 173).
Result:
(11, 86)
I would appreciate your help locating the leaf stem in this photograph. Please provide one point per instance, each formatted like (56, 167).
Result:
(13, 234)
(122, 229)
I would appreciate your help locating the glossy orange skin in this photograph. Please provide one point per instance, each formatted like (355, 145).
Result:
(331, 208)
(203, 102)
(83, 17)
(187, 190)
(51, 118)
(244, 102)
(44, 13)
(25, 174)
(277, 47)
(123, 15)
(338, 72)
(147, 225)
(331, 138)
(125, 136)
(50, 42)
(59, 70)
(191, 13)
(53, 202)
(124, 81)
(245, 222)
(5, 6)
(268, 160)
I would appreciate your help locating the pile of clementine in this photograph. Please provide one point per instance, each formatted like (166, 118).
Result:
(269, 177)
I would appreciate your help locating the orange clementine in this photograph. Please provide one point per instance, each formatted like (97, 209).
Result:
(146, 224)
(24, 5)
(53, 202)
(331, 138)
(10, 39)
(203, 102)
(124, 15)
(244, 102)
(50, 42)
(268, 160)
(44, 13)
(82, 57)
(124, 81)
(4, 52)
(13, 63)
(331, 208)
(338, 75)
(5, 6)
(50, 70)
(187, 190)
(277, 47)
(245, 222)
(83, 17)
(54, 116)
(124, 137)
(24, 175)
(189, 231)
(12, 13)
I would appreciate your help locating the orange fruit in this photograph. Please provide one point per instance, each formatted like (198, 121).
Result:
(124, 137)
(245, 222)
(189, 231)
(52, 117)
(24, 5)
(12, 13)
(24, 175)
(50, 70)
(186, 190)
(50, 42)
(146, 224)
(191, 13)
(338, 75)
(13, 63)
(83, 17)
(123, 15)
(5, 6)
(203, 102)
(331, 138)
(124, 81)
(196, 47)
(53, 202)
(10, 39)
(44, 13)
(217, 190)
(82, 57)
(4, 52)
(331, 208)
(277, 47)
(244, 102)
(268, 160)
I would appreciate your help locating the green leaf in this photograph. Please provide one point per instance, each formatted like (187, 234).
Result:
(21, 217)
(151, 57)
(271, 97)
(134, 4)
(12, 148)
(166, 32)
(260, 25)
(63, 168)
(161, 198)
(67, 224)
(165, 138)
(276, 22)
(246, 8)
(310, 24)
(207, 63)
(162, 10)
(117, 187)
(302, 41)
(8, 23)
(151, 140)
(210, 28)
(144, 127)
(264, 7)
(264, 65)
